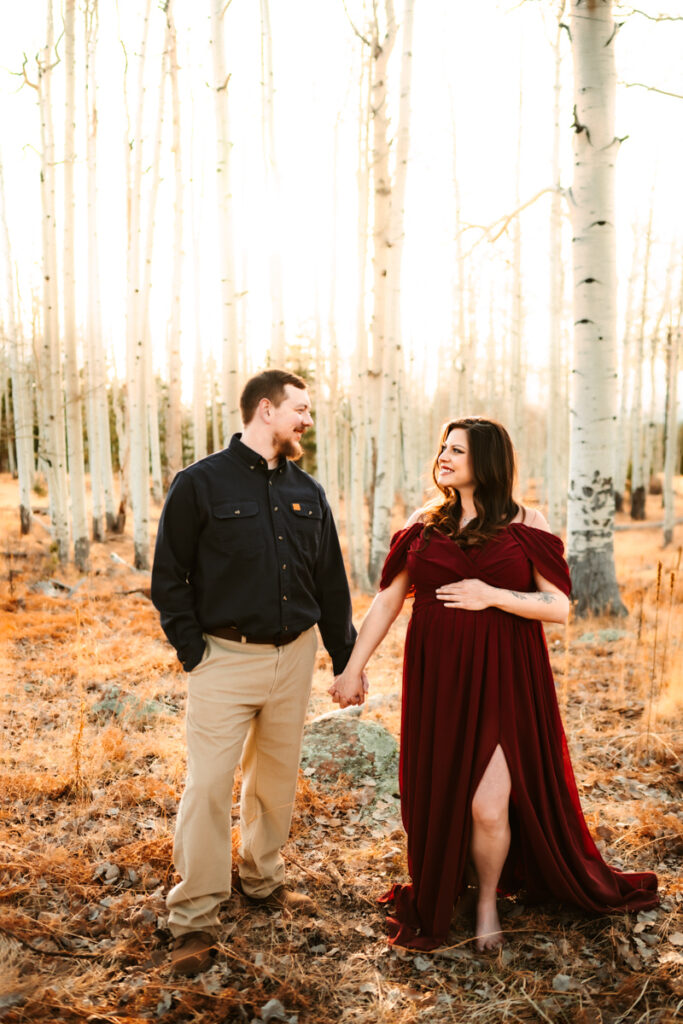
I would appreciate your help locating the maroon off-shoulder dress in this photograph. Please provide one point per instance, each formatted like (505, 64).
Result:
(473, 680)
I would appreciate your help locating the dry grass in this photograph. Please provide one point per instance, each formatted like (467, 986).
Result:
(92, 765)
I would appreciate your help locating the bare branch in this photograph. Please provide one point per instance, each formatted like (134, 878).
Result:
(360, 35)
(24, 74)
(651, 88)
(500, 225)
(651, 17)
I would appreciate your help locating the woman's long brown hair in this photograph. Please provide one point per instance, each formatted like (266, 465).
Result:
(493, 467)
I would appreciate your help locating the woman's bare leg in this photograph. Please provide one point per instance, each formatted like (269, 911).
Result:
(490, 845)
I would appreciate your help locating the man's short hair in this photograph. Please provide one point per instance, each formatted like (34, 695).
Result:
(269, 384)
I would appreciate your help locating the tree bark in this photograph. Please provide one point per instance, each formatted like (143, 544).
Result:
(74, 405)
(99, 432)
(590, 522)
(230, 369)
(52, 426)
(174, 440)
(21, 397)
(137, 339)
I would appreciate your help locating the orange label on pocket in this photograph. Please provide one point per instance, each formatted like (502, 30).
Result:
(296, 506)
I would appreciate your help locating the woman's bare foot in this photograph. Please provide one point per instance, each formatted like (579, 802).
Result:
(488, 931)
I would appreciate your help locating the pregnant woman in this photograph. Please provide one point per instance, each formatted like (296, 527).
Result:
(486, 778)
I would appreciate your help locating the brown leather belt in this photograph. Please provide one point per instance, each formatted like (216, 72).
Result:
(231, 633)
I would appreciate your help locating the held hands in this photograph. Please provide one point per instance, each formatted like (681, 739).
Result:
(471, 595)
(349, 689)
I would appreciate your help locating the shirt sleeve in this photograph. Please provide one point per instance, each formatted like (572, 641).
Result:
(395, 562)
(333, 596)
(174, 561)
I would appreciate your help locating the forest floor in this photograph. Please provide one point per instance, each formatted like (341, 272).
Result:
(92, 767)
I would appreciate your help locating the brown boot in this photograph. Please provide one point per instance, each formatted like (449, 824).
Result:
(192, 953)
(282, 898)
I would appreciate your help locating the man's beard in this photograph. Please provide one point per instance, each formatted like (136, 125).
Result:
(288, 447)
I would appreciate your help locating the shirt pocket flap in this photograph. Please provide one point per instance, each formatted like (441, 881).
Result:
(235, 509)
(307, 510)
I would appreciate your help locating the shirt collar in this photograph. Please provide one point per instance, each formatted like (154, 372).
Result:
(249, 456)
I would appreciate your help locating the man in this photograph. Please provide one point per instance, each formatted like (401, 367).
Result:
(247, 561)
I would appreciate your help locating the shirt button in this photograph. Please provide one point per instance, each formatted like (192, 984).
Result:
(270, 483)
(284, 597)
(280, 537)
(275, 508)
(284, 565)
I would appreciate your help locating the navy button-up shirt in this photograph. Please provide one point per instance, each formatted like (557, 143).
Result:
(246, 546)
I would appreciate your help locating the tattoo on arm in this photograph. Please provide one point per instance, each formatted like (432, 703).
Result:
(541, 595)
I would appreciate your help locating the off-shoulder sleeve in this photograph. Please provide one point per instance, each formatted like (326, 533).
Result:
(546, 551)
(395, 561)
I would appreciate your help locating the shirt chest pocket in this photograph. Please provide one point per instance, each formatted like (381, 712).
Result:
(306, 523)
(238, 528)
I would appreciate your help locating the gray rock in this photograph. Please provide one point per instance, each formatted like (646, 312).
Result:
(365, 752)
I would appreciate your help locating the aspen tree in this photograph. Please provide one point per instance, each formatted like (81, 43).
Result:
(273, 198)
(359, 396)
(49, 377)
(638, 471)
(199, 395)
(21, 398)
(515, 369)
(174, 453)
(590, 513)
(138, 337)
(556, 416)
(626, 382)
(230, 368)
(388, 253)
(74, 415)
(99, 432)
(673, 345)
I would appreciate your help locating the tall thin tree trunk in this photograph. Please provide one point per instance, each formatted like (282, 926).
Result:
(99, 431)
(359, 402)
(174, 452)
(273, 199)
(74, 414)
(230, 347)
(138, 338)
(53, 430)
(638, 474)
(21, 396)
(556, 417)
(590, 521)
(673, 344)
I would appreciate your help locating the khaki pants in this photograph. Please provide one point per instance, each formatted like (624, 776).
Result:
(245, 701)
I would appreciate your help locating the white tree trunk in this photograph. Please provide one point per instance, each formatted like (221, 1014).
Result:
(359, 401)
(638, 473)
(174, 441)
(273, 199)
(99, 432)
(590, 521)
(74, 414)
(673, 344)
(556, 420)
(21, 396)
(53, 435)
(230, 369)
(387, 257)
(137, 339)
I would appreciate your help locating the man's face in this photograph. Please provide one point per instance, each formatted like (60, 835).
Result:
(289, 420)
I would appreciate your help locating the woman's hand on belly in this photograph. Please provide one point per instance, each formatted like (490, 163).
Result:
(470, 595)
